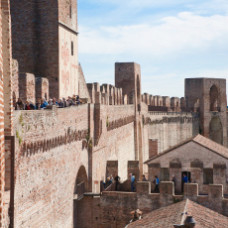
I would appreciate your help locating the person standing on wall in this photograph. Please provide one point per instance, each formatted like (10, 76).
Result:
(117, 181)
(156, 182)
(132, 182)
(185, 178)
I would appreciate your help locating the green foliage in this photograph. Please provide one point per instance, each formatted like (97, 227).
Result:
(18, 137)
(21, 119)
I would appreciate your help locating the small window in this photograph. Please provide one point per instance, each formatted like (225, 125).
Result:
(72, 48)
(70, 10)
(207, 176)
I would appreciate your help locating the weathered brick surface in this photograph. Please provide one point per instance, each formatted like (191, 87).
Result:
(82, 87)
(48, 158)
(44, 49)
(113, 209)
(42, 88)
(210, 93)
(27, 87)
(170, 128)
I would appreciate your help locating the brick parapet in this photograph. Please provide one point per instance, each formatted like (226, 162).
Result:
(164, 103)
(120, 204)
(106, 94)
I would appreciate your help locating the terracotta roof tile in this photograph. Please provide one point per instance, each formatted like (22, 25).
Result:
(166, 217)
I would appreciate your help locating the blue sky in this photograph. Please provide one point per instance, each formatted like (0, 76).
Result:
(170, 39)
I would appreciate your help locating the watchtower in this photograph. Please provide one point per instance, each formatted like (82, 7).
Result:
(44, 41)
(128, 77)
(208, 95)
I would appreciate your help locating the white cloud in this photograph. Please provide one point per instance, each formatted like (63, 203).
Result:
(185, 32)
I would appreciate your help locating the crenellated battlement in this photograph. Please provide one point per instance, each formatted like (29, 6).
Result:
(116, 206)
(214, 200)
(164, 103)
(106, 94)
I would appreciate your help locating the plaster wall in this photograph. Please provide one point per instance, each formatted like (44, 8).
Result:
(171, 128)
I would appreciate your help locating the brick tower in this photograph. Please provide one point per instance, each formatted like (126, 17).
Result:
(209, 94)
(128, 77)
(44, 37)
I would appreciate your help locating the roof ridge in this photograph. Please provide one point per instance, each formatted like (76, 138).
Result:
(185, 211)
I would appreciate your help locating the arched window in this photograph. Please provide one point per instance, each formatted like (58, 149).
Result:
(214, 99)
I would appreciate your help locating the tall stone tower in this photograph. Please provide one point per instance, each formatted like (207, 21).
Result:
(128, 77)
(208, 95)
(45, 42)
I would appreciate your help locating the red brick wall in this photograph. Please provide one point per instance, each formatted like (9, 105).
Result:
(35, 38)
(46, 168)
(113, 209)
(153, 147)
(51, 149)
(2, 168)
(64, 13)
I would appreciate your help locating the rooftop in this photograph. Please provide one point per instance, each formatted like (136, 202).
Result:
(202, 141)
(166, 217)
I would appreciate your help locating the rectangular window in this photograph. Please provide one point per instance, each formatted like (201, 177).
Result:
(72, 48)
(207, 176)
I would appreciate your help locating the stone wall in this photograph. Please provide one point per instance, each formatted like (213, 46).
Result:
(48, 158)
(113, 209)
(171, 128)
(115, 143)
(209, 94)
(82, 87)
(27, 87)
(52, 145)
(2, 160)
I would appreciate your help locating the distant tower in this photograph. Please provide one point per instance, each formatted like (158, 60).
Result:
(45, 42)
(128, 77)
(209, 95)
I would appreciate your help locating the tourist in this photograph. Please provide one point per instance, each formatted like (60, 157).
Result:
(156, 182)
(185, 178)
(19, 105)
(117, 181)
(44, 103)
(137, 215)
(132, 182)
(77, 100)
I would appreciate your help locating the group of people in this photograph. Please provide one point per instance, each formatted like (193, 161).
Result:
(110, 180)
(43, 103)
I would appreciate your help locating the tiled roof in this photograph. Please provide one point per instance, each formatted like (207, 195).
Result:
(202, 141)
(166, 217)
(208, 143)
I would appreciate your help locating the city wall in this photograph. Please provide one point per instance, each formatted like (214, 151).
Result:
(51, 148)
(112, 209)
